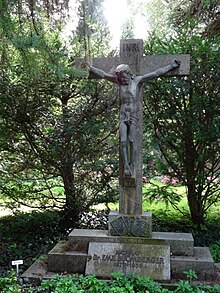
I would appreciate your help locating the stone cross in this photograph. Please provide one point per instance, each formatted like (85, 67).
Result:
(130, 184)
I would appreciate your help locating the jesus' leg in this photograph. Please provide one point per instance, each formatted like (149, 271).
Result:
(124, 151)
(131, 138)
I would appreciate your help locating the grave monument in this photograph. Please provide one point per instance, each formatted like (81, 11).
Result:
(129, 245)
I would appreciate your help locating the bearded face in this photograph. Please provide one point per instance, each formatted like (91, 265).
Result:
(123, 74)
(123, 77)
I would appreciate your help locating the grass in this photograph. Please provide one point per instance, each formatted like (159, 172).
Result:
(159, 207)
(57, 191)
(163, 208)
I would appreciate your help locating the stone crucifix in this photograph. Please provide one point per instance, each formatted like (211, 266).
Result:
(130, 71)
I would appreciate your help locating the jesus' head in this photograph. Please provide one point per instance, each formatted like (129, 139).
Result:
(123, 74)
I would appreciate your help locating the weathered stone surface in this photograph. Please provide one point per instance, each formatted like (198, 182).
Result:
(149, 63)
(217, 269)
(181, 243)
(127, 225)
(36, 272)
(130, 166)
(71, 256)
(130, 189)
(144, 260)
(79, 239)
(201, 262)
(131, 105)
(62, 260)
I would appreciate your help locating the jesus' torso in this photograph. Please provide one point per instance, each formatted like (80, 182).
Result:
(128, 102)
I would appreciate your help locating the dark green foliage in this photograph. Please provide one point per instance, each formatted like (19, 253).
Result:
(215, 251)
(165, 193)
(118, 284)
(203, 15)
(184, 112)
(9, 284)
(57, 129)
(27, 236)
(184, 119)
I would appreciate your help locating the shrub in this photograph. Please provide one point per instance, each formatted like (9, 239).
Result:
(119, 283)
(215, 251)
(9, 284)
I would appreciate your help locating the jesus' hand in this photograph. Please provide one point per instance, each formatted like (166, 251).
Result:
(175, 63)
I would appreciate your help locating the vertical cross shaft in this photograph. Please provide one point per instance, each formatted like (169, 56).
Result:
(130, 189)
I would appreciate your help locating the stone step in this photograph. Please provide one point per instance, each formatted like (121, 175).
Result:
(39, 269)
(36, 272)
(201, 262)
(180, 243)
(61, 259)
(72, 256)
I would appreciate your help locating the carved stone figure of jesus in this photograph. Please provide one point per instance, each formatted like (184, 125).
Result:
(128, 90)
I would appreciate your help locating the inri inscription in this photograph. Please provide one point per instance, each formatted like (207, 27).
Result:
(131, 47)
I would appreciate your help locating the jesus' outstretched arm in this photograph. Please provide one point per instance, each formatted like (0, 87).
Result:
(159, 72)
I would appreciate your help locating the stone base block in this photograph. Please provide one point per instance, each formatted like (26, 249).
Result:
(201, 262)
(128, 225)
(62, 260)
(180, 243)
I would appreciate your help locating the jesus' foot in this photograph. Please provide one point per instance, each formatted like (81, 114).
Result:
(127, 171)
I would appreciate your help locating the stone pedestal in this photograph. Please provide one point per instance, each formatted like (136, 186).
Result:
(164, 256)
(128, 225)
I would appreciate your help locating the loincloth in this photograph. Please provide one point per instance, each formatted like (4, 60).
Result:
(128, 118)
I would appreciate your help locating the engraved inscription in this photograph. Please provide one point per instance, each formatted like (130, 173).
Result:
(131, 47)
(142, 259)
(124, 258)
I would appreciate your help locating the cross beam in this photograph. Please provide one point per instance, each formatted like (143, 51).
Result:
(131, 53)
(148, 64)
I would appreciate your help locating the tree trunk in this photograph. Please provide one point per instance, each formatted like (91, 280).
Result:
(194, 198)
(72, 207)
(68, 181)
(195, 205)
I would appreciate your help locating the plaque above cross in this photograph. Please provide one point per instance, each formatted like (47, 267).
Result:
(130, 70)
